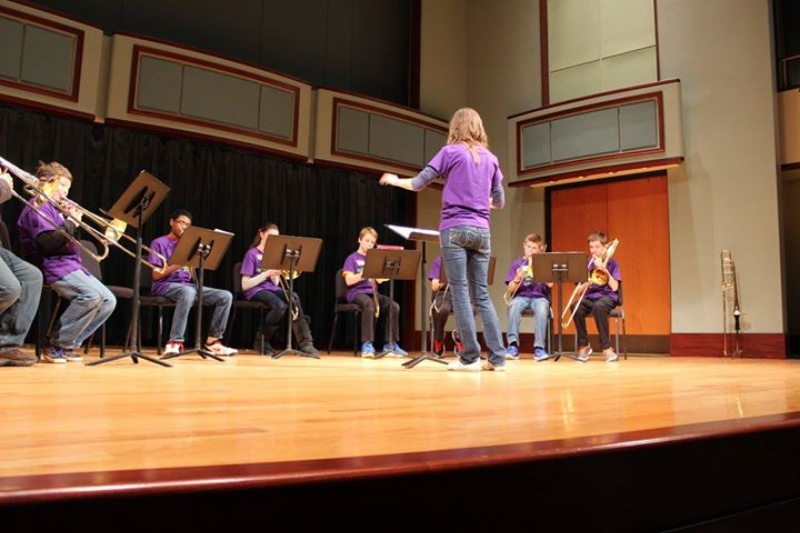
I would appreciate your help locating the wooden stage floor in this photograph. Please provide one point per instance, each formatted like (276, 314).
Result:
(75, 431)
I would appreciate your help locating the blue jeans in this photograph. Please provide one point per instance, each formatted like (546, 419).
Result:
(90, 304)
(20, 291)
(541, 312)
(185, 296)
(465, 255)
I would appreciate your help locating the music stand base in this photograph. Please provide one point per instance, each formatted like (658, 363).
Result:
(202, 353)
(557, 356)
(292, 351)
(417, 360)
(133, 355)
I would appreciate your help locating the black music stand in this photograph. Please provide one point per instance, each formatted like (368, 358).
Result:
(202, 249)
(391, 265)
(422, 235)
(134, 207)
(559, 267)
(291, 254)
(489, 281)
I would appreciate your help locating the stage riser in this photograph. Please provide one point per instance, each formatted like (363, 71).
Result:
(646, 488)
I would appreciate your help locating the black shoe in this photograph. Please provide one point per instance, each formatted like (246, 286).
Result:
(308, 349)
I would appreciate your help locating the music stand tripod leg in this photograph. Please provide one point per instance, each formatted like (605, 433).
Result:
(290, 297)
(198, 348)
(133, 337)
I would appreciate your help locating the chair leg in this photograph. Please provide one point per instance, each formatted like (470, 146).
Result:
(356, 335)
(160, 329)
(333, 331)
(624, 339)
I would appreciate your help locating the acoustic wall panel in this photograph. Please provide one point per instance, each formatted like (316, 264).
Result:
(365, 133)
(50, 62)
(631, 130)
(167, 87)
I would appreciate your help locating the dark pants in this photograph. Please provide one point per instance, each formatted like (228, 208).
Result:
(600, 310)
(440, 312)
(367, 304)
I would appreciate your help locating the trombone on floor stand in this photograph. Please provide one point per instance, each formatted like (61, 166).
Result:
(731, 312)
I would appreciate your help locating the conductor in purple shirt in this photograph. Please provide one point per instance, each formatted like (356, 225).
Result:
(472, 187)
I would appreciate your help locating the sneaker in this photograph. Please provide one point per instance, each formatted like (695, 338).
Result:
(610, 355)
(486, 365)
(173, 348)
(465, 367)
(398, 351)
(540, 354)
(458, 348)
(367, 350)
(53, 354)
(70, 355)
(438, 349)
(217, 348)
(512, 352)
(16, 357)
(584, 352)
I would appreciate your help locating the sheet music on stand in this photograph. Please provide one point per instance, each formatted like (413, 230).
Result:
(423, 235)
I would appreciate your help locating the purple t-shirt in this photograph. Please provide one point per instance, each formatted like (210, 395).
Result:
(165, 245)
(435, 272)
(595, 292)
(251, 267)
(467, 186)
(528, 288)
(355, 264)
(54, 265)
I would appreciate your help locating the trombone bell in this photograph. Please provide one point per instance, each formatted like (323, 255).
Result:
(115, 229)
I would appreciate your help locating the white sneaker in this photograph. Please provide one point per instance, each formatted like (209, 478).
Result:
(459, 366)
(217, 348)
(486, 365)
(173, 348)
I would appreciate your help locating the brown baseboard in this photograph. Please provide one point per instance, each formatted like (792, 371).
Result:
(755, 345)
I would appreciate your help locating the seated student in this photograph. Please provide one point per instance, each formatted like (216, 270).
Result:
(48, 235)
(266, 286)
(525, 293)
(364, 292)
(20, 291)
(440, 309)
(600, 298)
(178, 284)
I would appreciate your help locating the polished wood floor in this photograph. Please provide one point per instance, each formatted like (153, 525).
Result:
(62, 425)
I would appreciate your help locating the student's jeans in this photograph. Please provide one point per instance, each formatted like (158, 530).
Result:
(90, 305)
(541, 312)
(185, 295)
(20, 291)
(465, 254)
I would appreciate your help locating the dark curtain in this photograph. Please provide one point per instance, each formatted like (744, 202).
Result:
(224, 188)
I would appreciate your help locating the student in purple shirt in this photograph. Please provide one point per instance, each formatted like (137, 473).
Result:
(600, 298)
(266, 286)
(472, 187)
(48, 238)
(177, 283)
(364, 292)
(527, 294)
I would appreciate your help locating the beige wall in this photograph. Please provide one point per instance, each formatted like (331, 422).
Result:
(725, 196)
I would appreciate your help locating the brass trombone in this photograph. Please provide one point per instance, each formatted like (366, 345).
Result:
(527, 272)
(597, 276)
(283, 283)
(111, 230)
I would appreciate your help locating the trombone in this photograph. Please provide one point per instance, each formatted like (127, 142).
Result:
(282, 281)
(111, 230)
(596, 277)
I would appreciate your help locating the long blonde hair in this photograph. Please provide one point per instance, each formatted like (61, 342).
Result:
(466, 127)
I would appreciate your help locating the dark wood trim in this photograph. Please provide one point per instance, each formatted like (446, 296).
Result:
(48, 108)
(753, 345)
(544, 55)
(596, 95)
(640, 167)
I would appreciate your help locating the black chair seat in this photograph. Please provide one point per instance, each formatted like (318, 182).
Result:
(240, 302)
(341, 305)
